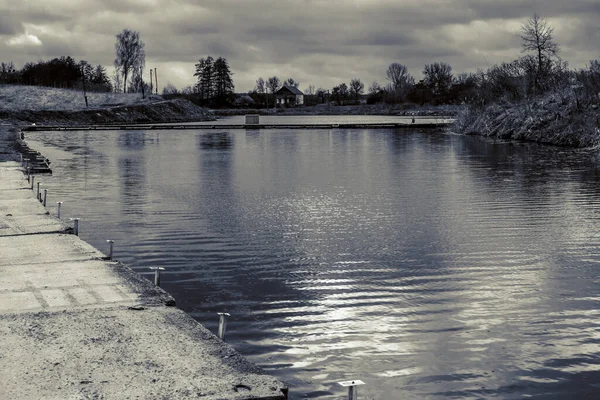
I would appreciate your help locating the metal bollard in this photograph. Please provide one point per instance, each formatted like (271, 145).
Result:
(352, 388)
(38, 190)
(223, 324)
(58, 204)
(28, 174)
(21, 159)
(157, 275)
(110, 248)
(75, 226)
(32, 180)
(45, 196)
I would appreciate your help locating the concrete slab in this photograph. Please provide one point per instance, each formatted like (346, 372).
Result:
(71, 285)
(45, 248)
(120, 353)
(12, 177)
(27, 216)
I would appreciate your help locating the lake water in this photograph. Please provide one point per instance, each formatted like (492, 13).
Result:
(428, 265)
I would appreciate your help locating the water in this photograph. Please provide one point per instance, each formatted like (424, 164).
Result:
(428, 265)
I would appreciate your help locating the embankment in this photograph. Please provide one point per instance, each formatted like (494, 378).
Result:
(552, 119)
(177, 110)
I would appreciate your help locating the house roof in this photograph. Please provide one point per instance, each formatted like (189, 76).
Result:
(292, 89)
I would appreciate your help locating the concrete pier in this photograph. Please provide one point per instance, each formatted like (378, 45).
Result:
(74, 324)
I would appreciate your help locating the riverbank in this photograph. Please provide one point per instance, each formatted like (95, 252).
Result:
(362, 109)
(176, 110)
(551, 119)
(76, 324)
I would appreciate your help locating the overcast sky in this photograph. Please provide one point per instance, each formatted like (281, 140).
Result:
(318, 42)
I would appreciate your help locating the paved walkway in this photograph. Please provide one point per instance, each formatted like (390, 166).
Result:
(75, 325)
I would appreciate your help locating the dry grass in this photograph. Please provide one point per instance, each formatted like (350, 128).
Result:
(35, 98)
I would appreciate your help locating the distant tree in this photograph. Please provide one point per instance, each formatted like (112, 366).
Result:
(205, 78)
(400, 80)
(261, 89)
(340, 93)
(291, 82)
(356, 88)
(321, 95)
(438, 78)
(538, 36)
(130, 54)
(223, 81)
(170, 89)
(117, 82)
(273, 84)
(375, 93)
(99, 80)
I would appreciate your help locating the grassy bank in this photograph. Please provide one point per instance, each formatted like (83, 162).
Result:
(556, 118)
(44, 106)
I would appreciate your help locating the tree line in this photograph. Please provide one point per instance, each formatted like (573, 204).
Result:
(61, 72)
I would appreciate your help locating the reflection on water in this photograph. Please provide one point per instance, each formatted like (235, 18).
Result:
(427, 265)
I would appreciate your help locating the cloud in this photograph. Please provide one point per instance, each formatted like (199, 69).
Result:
(319, 42)
(24, 40)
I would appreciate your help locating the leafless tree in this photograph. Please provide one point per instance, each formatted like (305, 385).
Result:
(130, 54)
(170, 89)
(291, 82)
(374, 88)
(438, 77)
(538, 36)
(400, 80)
(273, 84)
(356, 88)
(260, 88)
(310, 90)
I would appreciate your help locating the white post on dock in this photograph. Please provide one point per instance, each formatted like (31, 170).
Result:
(58, 204)
(352, 388)
(223, 324)
(110, 248)
(157, 275)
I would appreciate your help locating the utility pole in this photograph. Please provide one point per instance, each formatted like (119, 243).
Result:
(142, 82)
(83, 80)
(156, 80)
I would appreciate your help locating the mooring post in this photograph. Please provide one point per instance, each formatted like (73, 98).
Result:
(110, 248)
(45, 196)
(38, 191)
(352, 388)
(58, 204)
(32, 180)
(21, 159)
(223, 324)
(157, 275)
(75, 226)
(28, 174)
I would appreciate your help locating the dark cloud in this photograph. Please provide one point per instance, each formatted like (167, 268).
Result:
(320, 42)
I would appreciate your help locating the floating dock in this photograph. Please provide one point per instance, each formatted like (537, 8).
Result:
(75, 324)
(129, 127)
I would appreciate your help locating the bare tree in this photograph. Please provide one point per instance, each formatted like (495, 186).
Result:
(310, 90)
(374, 88)
(438, 77)
(291, 82)
(356, 88)
(273, 84)
(130, 54)
(400, 80)
(260, 88)
(538, 36)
